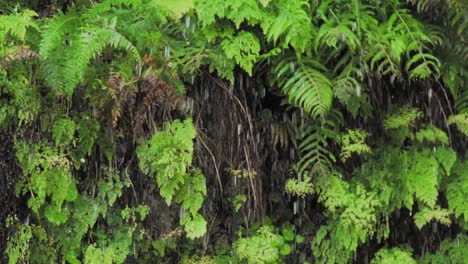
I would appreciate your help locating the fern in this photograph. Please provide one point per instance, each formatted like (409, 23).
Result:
(425, 216)
(433, 135)
(168, 154)
(299, 188)
(352, 220)
(393, 255)
(244, 48)
(290, 22)
(461, 121)
(66, 63)
(265, 246)
(450, 251)
(354, 142)
(47, 175)
(457, 190)
(306, 86)
(336, 30)
(16, 25)
(398, 124)
(63, 131)
(314, 143)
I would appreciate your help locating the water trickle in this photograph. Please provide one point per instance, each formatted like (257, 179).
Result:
(429, 94)
(358, 91)
(167, 52)
(190, 105)
(234, 180)
(207, 94)
(302, 119)
(262, 92)
(292, 67)
(181, 212)
(239, 129)
(187, 21)
(296, 207)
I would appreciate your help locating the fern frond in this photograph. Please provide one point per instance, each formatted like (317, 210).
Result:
(461, 103)
(461, 121)
(314, 143)
(107, 5)
(16, 24)
(292, 22)
(335, 31)
(54, 31)
(64, 73)
(306, 86)
(425, 216)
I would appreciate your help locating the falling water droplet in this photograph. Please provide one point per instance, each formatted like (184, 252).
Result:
(167, 52)
(192, 80)
(189, 104)
(258, 138)
(181, 212)
(358, 91)
(295, 207)
(207, 94)
(239, 129)
(292, 67)
(235, 180)
(302, 118)
(187, 21)
(429, 94)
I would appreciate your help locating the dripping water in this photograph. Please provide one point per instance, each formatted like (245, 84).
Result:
(187, 21)
(167, 52)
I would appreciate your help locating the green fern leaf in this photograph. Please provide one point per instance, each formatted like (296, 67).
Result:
(306, 86)
(425, 215)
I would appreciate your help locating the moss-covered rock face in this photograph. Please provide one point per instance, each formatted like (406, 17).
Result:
(214, 131)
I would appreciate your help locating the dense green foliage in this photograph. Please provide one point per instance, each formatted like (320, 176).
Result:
(366, 99)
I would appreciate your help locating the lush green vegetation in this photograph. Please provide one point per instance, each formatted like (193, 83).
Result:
(214, 131)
